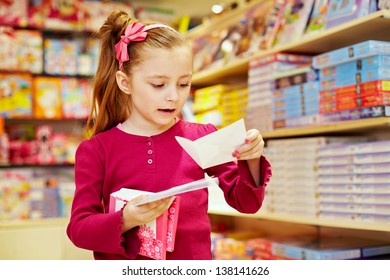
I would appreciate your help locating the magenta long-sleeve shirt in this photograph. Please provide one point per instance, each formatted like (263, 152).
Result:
(115, 159)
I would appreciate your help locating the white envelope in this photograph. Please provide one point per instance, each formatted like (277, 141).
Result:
(215, 148)
(192, 186)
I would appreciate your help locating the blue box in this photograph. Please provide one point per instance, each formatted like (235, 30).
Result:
(351, 53)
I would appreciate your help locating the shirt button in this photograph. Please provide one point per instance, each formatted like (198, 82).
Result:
(150, 161)
(149, 144)
(150, 152)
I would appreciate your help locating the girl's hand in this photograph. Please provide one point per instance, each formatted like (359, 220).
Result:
(253, 147)
(135, 215)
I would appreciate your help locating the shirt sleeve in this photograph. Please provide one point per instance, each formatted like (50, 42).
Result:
(89, 226)
(239, 188)
(237, 183)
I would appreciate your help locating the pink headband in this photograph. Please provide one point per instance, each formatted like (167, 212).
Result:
(134, 32)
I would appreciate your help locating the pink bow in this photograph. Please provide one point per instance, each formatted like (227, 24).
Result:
(134, 32)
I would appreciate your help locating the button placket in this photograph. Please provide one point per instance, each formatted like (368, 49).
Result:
(150, 153)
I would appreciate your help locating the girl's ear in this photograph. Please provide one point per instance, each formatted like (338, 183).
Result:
(123, 82)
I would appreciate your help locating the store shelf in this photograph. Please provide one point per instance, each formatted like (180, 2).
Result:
(57, 165)
(226, 210)
(370, 27)
(331, 128)
(32, 223)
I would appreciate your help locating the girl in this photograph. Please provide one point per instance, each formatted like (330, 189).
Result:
(142, 81)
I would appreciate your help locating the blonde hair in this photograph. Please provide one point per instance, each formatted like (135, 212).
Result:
(109, 105)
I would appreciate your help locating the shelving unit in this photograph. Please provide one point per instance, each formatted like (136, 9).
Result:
(45, 238)
(331, 128)
(370, 27)
(44, 233)
(226, 210)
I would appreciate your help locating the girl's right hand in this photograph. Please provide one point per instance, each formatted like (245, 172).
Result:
(135, 215)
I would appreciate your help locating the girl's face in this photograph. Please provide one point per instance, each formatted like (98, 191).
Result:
(160, 86)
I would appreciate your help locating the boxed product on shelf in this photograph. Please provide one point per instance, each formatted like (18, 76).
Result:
(66, 193)
(296, 173)
(383, 4)
(296, 77)
(29, 51)
(8, 51)
(88, 60)
(44, 202)
(233, 105)
(329, 248)
(352, 52)
(14, 202)
(294, 21)
(283, 57)
(43, 136)
(4, 149)
(355, 114)
(357, 208)
(374, 218)
(61, 56)
(261, 248)
(366, 168)
(16, 95)
(297, 105)
(352, 78)
(31, 193)
(47, 98)
(317, 18)
(366, 63)
(355, 178)
(376, 157)
(75, 98)
(232, 245)
(356, 148)
(256, 30)
(210, 106)
(345, 74)
(343, 11)
(355, 188)
(263, 81)
(208, 97)
(55, 14)
(14, 13)
(264, 19)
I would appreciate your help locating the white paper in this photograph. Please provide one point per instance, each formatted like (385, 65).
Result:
(128, 194)
(215, 148)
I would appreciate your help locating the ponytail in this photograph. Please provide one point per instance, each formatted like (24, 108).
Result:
(110, 105)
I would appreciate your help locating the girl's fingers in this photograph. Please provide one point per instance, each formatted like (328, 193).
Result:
(154, 207)
(253, 147)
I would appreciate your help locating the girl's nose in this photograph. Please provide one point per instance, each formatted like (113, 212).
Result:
(172, 94)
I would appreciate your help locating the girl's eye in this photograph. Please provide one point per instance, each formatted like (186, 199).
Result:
(184, 85)
(158, 85)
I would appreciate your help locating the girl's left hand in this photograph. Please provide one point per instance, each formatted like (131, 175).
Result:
(253, 147)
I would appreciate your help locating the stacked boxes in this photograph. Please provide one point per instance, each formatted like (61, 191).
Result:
(30, 193)
(354, 182)
(206, 102)
(296, 98)
(293, 188)
(233, 105)
(354, 81)
(261, 85)
(220, 105)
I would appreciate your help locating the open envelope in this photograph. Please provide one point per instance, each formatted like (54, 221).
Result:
(215, 148)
